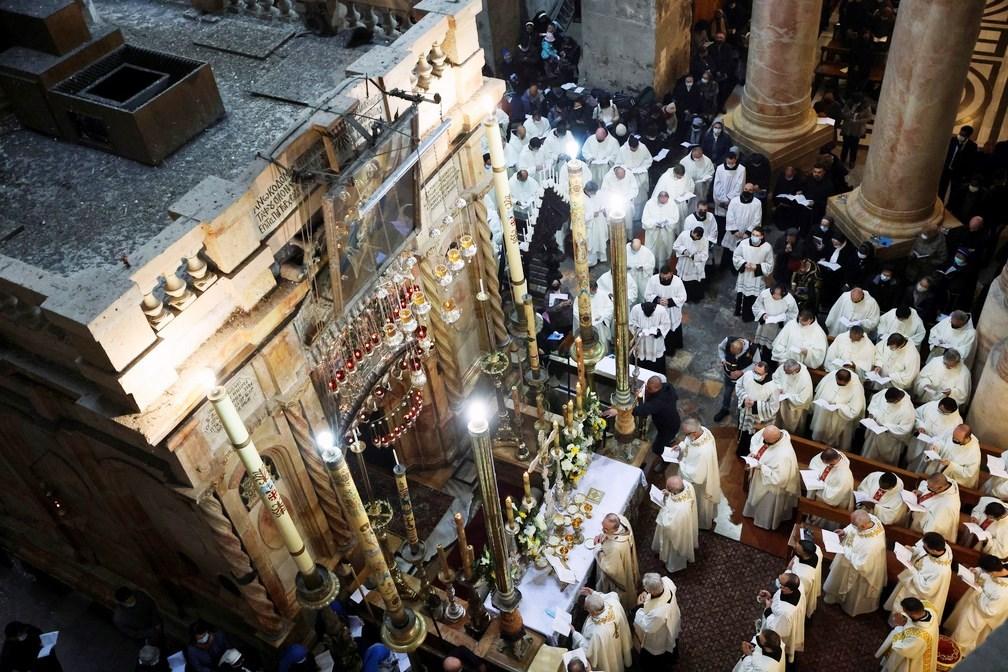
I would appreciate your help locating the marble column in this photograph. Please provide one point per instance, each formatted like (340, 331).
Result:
(775, 116)
(928, 59)
(989, 405)
(992, 325)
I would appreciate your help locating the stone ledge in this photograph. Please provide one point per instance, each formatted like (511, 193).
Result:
(859, 225)
(799, 151)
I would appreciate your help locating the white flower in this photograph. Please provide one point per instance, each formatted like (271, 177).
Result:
(529, 530)
(567, 465)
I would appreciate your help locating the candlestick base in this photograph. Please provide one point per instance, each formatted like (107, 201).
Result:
(323, 595)
(528, 504)
(407, 637)
(414, 555)
(536, 378)
(522, 451)
(453, 611)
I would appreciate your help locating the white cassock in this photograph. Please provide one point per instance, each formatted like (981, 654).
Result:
(605, 284)
(513, 150)
(536, 129)
(691, 255)
(676, 534)
(858, 575)
(912, 327)
(796, 398)
(765, 399)
(600, 156)
(912, 647)
(637, 163)
(728, 184)
(932, 422)
(618, 571)
(602, 316)
(535, 161)
(996, 529)
(556, 146)
(843, 351)
(758, 661)
(889, 505)
(964, 460)
(661, 226)
(597, 229)
(941, 513)
(698, 464)
(641, 266)
(934, 380)
(996, 486)
(742, 217)
(771, 314)
(811, 580)
(901, 365)
(978, 612)
(677, 187)
(657, 622)
(674, 293)
(606, 638)
(836, 427)
(775, 486)
(701, 171)
(943, 337)
(928, 580)
(898, 420)
(804, 343)
(839, 482)
(650, 332)
(845, 314)
(751, 283)
(525, 194)
(788, 621)
(622, 191)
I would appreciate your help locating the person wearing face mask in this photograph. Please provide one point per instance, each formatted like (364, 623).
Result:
(773, 308)
(709, 95)
(661, 224)
(650, 323)
(884, 288)
(703, 219)
(974, 238)
(939, 497)
(668, 291)
(958, 456)
(839, 267)
(894, 411)
(729, 179)
(700, 169)
(744, 214)
(922, 297)
(959, 280)
(912, 644)
(959, 162)
(795, 384)
(806, 284)
(991, 516)
(758, 403)
(762, 654)
(969, 199)
(837, 409)
(599, 151)
(784, 613)
(944, 376)
(929, 576)
(687, 94)
(928, 252)
(856, 307)
(897, 360)
(819, 237)
(979, 612)
(753, 259)
(954, 332)
(818, 188)
(205, 647)
(881, 495)
(776, 484)
(802, 339)
(934, 420)
(691, 252)
(637, 159)
(867, 266)
(716, 143)
(858, 575)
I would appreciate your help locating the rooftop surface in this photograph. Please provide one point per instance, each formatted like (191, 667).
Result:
(83, 208)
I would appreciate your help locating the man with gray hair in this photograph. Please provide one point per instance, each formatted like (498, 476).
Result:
(796, 390)
(698, 464)
(676, 534)
(616, 556)
(944, 376)
(605, 635)
(858, 575)
(955, 332)
(657, 621)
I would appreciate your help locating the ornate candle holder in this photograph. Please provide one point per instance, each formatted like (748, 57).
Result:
(516, 562)
(453, 612)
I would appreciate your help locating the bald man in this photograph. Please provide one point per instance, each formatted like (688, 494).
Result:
(775, 486)
(854, 307)
(959, 456)
(605, 634)
(616, 556)
(676, 533)
(858, 575)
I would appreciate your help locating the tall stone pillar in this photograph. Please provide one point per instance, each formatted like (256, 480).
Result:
(992, 325)
(775, 116)
(928, 59)
(990, 401)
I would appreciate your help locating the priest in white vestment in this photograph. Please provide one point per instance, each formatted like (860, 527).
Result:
(729, 178)
(893, 411)
(838, 407)
(992, 518)
(929, 575)
(525, 194)
(649, 323)
(807, 564)
(935, 419)
(700, 170)
(902, 320)
(605, 635)
(754, 260)
(616, 556)
(605, 285)
(758, 402)
(619, 192)
(959, 457)
(698, 464)
(690, 249)
(762, 654)
(679, 188)
(940, 499)
(881, 493)
(775, 486)
(832, 469)
(560, 144)
(979, 612)
(858, 575)
(636, 158)
(600, 152)
(660, 222)
(534, 159)
(601, 313)
(657, 621)
(795, 385)
(955, 332)
(537, 125)
(668, 290)
(853, 307)
(515, 144)
(897, 360)
(596, 225)
(802, 339)
(852, 349)
(774, 307)
(944, 376)
(640, 265)
(745, 213)
(912, 644)
(784, 613)
(676, 533)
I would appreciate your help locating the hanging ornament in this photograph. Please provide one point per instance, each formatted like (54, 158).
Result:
(393, 337)
(418, 378)
(468, 246)
(407, 322)
(442, 275)
(450, 312)
(455, 261)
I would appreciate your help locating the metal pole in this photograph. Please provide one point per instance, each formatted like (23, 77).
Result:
(579, 235)
(623, 398)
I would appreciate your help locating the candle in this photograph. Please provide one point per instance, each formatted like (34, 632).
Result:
(556, 433)
(395, 457)
(460, 533)
(516, 398)
(443, 557)
(578, 398)
(482, 290)
(467, 568)
(509, 510)
(527, 485)
(540, 411)
(406, 504)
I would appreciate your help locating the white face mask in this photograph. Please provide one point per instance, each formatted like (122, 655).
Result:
(824, 228)
(862, 255)
(717, 131)
(921, 288)
(755, 240)
(924, 236)
(203, 639)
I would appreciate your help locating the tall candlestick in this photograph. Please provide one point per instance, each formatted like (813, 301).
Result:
(527, 485)
(623, 398)
(406, 504)
(530, 327)
(509, 511)
(505, 206)
(442, 556)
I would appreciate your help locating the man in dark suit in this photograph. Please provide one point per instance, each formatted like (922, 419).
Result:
(959, 160)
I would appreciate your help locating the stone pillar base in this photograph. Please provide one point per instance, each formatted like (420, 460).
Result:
(859, 220)
(990, 401)
(796, 145)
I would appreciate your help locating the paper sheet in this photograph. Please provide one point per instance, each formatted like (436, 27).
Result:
(910, 499)
(811, 480)
(848, 322)
(774, 319)
(876, 377)
(932, 456)
(565, 574)
(873, 426)
(670, 454)
(176, 662)
(568, 86)
(839, 363)
(660, 156)
(325, 662)
(822, 403)
(829, 264)
(562, 623)
(968, 577)
(49, 640)
(557, 297)
(926, 438)
(656, 495)
(980, 533)
(860, 497)
(682, 198)
(705, 178)
(403, 660)
(831, 542)
(356, 626)
(750, 462)
(786, 397)
(903, 554)
(358, 595)
(996, 466)
(687, 145)
(826, 121)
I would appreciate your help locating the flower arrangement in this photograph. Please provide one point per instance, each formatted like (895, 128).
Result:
(531, 532)
(578, 442)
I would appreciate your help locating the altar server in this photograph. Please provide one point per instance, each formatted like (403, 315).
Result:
(606, 285)
(894, 411)
(619, 191)
(700, 169)
(679, 187)
(851, 349)
(596, 225)
(902, 320)
(640, 265)
(775, 486)
(858, 575)
(774, 307)
(649, 322)
(807, 564)
(854, 307)
(605, 635)
(912, 644)
(802, 339)
(600, 152)
(838, 407)
(676, 532)
(959, 454)
(784, 613)
(533, 158)
(935, 419)
(745, 214)
(929, 575)
(944, 376)
(690, 249)
(616, 556)
(660, 222)
(884, 493)
(657, 622)
(980, 611)
(754, 260)
(698, 464)
(729, 178)
(637, 159)
(897, 360)
(955, 332)
(762, 654)
(795, 385)
(832, 468)
(601, 313)
(940, 498)
(525, 191)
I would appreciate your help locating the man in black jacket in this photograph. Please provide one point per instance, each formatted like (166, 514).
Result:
(737, 355)
(959, 160)
(660, 403)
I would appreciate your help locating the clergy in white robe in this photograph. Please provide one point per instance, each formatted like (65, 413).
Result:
(616, 556)
(533, 158)
(978, 612)
(902, 320)
(832, 469)
(775, 486)
(660, 222)
(784, 613)
(536, 125)
(758, 401)
(802, 339)
(599, 151)
(601, 312)
(854, 307)
(706, 221)
(851, 348)
(954, 332)
(939, 497)
(881, 493)
(700, 170)
(619, 192)
(838, 406)
(858, 575)
(795, 385)
(929, 575)
(762, 654)
(729, 178)
(657, 622)
(807, 564)
(669, 291)
(959, 456)
(596, 225)
(992, 517)
(698, 464)
(944, 376)
(897, 360)
(649, 322)
(560, 144)
(637, 159)
(605, 285)
(754, 260)
(690, 249)
(935, 419)
(745, 214)
(640, 265)
(912, 644)
(679, 188)
(515, 144)
(894, 411)
(676, 534)
(525, 192)
(773, 308)
(605, 635)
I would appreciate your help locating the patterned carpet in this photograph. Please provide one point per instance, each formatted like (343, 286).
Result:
(428, 504)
